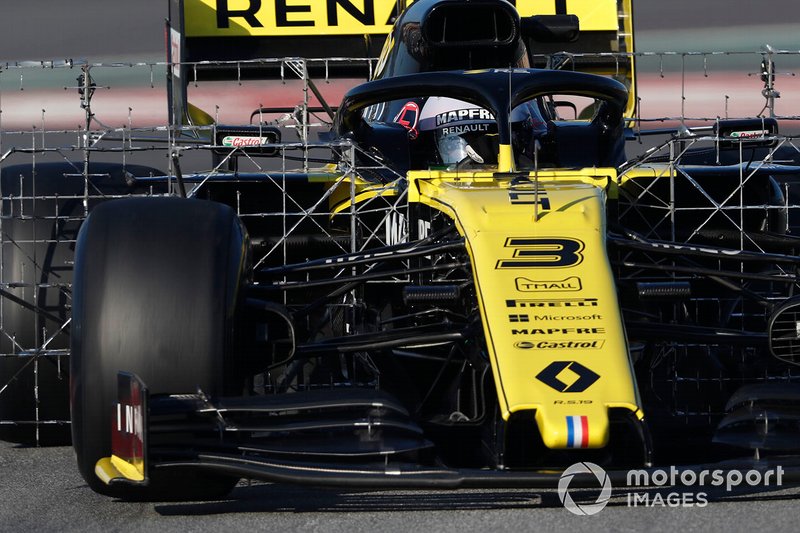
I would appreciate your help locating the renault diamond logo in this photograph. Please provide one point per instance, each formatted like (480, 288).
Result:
(557, 371)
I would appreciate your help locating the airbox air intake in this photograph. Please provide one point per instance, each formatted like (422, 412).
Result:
(471, 24)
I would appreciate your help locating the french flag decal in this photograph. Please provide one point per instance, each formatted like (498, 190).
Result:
(577, 432)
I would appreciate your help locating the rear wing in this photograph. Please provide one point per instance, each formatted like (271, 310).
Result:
(246, 30)
(241, 39)
(246, 39)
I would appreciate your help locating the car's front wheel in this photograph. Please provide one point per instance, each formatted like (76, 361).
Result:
(155, 292)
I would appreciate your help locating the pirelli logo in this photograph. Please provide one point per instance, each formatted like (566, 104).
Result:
(553, 303)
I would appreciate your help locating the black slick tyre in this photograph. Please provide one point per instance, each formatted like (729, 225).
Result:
(155, 291)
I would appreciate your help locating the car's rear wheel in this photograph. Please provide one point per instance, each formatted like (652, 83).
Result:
(155, 293)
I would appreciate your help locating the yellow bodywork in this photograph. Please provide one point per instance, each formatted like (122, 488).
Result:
(546, 293)
(111, 468)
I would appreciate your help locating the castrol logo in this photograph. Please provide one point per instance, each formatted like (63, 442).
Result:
(237, 141)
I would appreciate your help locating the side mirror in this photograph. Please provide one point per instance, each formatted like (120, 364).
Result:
(551, 28)
(569, 105)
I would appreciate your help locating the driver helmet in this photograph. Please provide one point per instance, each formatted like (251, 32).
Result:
(463, 133)
(466, 134)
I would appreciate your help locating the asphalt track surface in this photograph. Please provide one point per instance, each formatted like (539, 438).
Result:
(41, 490)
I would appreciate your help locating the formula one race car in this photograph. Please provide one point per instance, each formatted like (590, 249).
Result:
(474, 287)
